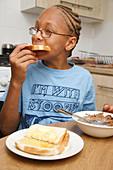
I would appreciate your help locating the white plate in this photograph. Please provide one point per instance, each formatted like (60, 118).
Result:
(75, 145)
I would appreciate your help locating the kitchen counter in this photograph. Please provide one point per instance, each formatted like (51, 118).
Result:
(98, 70)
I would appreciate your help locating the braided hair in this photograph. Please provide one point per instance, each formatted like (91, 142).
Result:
(73, 22)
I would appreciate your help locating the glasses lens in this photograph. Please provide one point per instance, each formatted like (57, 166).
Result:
(46, 33)
(32, 31)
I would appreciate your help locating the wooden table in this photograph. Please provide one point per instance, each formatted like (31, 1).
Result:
(97, 154)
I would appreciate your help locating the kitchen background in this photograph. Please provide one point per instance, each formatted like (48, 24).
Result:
(95, 37)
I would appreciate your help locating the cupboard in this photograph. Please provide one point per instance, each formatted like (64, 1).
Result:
(104, 89)
(85, 8)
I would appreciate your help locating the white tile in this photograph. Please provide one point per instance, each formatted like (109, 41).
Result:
(1, 3)
(9, 18)
(104, 45)
(8, 35)
(102, 29)
(10, 4)
(87, 31)
(24, 36)
(27, 20)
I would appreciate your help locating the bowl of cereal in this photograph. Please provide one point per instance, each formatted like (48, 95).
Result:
(99, 131)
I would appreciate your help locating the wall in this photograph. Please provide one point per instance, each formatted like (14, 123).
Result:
(85, 42)
(103, 33)
(14, 29)
(98, 37)
(14, 24)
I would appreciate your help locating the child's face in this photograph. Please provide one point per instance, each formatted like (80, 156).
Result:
(52, 20)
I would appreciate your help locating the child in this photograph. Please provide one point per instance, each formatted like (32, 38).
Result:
(42, 82)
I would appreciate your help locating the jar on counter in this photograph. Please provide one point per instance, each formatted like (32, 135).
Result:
(7, 49)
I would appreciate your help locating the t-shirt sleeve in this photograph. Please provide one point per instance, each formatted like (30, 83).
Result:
(89, 101)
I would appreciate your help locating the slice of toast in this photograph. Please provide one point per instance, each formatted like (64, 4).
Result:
(46, 133)
(39, 147)
(38, 47)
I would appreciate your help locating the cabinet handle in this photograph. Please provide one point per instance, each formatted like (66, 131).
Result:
(78, 5)
(104, 87)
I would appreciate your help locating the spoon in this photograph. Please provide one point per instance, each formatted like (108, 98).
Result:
(74, 115)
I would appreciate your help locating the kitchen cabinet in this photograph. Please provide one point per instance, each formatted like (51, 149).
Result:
(88, 8)
(91, 8)
(104, 89)
(36, 6)
(85, 8)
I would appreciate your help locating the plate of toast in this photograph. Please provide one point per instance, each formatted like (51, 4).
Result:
(43, 142)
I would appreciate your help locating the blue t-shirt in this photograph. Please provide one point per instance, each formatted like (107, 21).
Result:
(46, 89)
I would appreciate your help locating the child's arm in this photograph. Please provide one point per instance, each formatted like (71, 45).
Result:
(9, 115)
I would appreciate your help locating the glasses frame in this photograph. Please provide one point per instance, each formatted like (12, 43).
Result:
(51, 32)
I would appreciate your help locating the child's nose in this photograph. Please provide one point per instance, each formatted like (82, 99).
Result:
(38, 35)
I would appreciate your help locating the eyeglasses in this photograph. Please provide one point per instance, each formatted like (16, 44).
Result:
(44, 33)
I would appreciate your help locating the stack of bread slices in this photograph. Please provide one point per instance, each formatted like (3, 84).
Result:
(44, 140)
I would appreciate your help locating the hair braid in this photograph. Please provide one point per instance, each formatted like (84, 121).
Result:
(73, 22)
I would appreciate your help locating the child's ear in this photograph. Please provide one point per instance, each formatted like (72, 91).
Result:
(70, 44)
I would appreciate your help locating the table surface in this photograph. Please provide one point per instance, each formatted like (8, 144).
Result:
(96, 154)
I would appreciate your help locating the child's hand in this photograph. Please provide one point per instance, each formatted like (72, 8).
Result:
(108, 108)
(20, 59)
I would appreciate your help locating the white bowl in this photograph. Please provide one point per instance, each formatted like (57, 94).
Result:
(100, 131)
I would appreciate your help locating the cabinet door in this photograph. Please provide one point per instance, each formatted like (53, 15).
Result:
(68, 3)
(101, 100)
(46, 3)
(91, 8)
(104, 90)
(77, 5)
(86, 8)
(99, 9)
